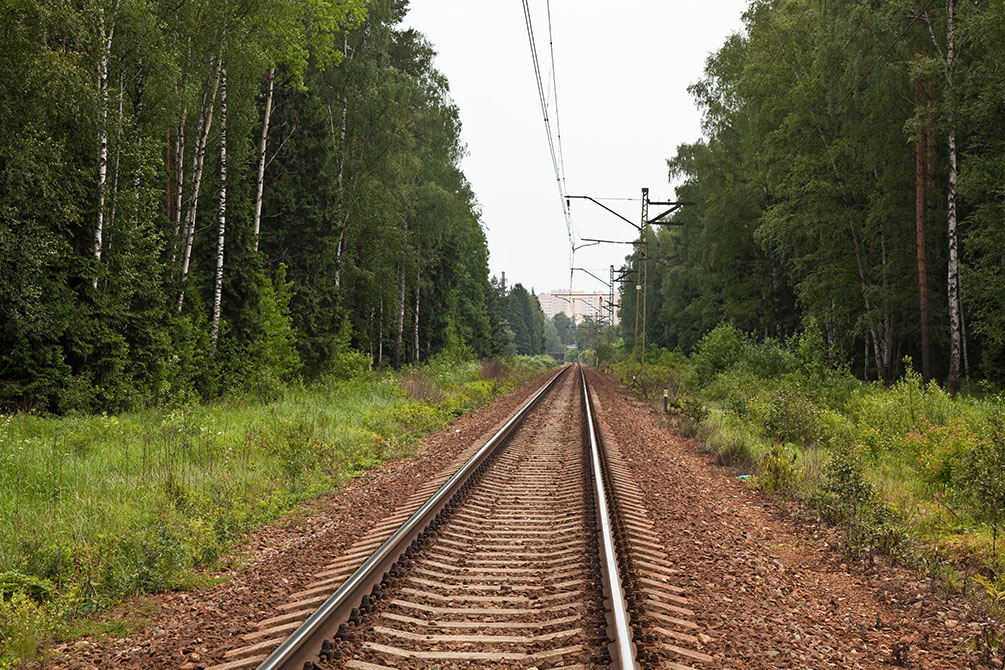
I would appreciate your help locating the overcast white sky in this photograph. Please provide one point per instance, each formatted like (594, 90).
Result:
(622, 72)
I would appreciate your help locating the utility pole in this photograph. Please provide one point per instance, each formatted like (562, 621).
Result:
(610, 304)
(640, 266)
(640, 259)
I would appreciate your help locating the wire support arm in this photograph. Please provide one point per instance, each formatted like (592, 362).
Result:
(592, 275)
(597, 202)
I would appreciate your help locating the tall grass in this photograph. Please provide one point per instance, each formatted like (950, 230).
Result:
(907, 469)
(96, 508)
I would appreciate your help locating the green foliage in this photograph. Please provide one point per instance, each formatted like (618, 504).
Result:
(905, 469)
(720, 350)
(792, 417)
(320, 282)
(731, 449)
(846, 497)
(778, 470)
(24, 628)
(795, 185)
(525, 318)
(982, 482)
(100, 508)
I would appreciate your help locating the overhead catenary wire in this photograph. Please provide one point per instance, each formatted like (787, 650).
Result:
(547, 124)
(558, 118)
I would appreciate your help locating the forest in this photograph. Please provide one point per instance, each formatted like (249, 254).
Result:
(199, 198)
(243, 265)
(852, 172)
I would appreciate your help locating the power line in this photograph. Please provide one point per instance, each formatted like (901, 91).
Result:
(558, 121)
(547, 123)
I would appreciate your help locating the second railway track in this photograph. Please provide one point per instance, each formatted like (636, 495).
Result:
(535, 552)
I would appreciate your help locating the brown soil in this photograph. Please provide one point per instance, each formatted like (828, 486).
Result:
(193, 629)
(771, 584)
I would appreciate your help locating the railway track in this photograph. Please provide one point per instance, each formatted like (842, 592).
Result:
(533, 551)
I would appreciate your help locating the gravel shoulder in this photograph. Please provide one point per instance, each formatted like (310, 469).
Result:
(193, 629)
(771, 584)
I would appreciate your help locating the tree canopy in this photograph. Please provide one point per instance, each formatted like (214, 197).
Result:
(334, 218)
(850, 172)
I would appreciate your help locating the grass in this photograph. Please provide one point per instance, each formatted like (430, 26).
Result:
(97, 508)
(906, 469)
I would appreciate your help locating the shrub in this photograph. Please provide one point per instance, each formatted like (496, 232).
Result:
(792, 417)
(983, 480)
(847, 498)
(297, 446)
(778, 470)
(25, 627)
(845, 494)
(38, 589)
(885, 416)
(720, 350)
(767, 359)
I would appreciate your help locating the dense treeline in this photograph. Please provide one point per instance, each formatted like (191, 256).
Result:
(201, 196)
(851, 173)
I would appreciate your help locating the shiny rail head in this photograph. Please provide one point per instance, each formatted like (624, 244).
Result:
(623, 647)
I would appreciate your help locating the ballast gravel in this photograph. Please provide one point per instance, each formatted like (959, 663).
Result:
(772, 585)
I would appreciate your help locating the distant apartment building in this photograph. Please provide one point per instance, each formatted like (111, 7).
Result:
(577, 305)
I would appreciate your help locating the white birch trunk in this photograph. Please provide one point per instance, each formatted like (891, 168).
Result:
(954, 273)
(179, 184)
(401, 315)
(340, 153)
(205, 122)
(263, 141)
(179, 163)
(415, 358)
(221, 235)
(954, 262)
(106, 51)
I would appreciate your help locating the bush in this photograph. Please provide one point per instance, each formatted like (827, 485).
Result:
(767, 359)
(983, 480)
(25, 627)
(720, 350)
(778, 470)
(792, 417)
(847, 498)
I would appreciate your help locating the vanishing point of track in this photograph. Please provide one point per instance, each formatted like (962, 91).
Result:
(534, 551)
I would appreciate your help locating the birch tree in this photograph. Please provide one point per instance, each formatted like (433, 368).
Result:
(270, 79)
(106, 33)
(953, 265)
(198, 161)
(222, 215)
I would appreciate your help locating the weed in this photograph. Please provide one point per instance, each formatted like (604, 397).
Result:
(988, 645)
(421, 388)
(731, 449)
(778, 470)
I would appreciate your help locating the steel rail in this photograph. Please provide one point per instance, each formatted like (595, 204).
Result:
(623, 650)
(305, 642)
